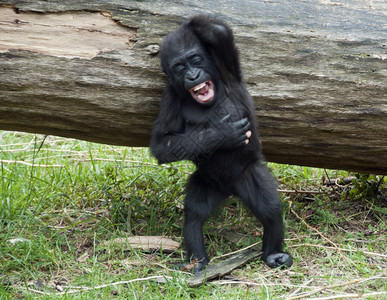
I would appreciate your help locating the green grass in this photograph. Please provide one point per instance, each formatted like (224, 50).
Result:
(61, 199)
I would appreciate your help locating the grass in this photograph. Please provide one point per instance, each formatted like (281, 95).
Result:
(61, 199)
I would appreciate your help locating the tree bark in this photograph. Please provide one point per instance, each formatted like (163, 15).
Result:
(90, 70)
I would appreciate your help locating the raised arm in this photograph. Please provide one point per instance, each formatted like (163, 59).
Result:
(218, 38)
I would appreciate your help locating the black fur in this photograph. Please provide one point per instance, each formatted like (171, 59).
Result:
(213, 135)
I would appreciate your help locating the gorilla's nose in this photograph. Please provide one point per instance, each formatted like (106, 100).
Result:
(193, 75)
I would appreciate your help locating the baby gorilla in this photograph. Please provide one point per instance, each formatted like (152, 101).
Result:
(207, 116)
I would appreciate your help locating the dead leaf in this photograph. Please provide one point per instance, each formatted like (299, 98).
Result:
(84, 257)
(18, 240)
(145, 243)
(132, 262)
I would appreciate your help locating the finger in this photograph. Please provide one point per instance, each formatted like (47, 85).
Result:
(246, 126)
(225, 118)
(241, 122)
(248, 136)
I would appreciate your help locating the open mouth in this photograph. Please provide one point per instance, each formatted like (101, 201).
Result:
(203, 92)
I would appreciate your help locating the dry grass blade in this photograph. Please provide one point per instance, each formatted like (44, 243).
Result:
(80, 289)
(341, 249)
(348, 283)
(320, 234)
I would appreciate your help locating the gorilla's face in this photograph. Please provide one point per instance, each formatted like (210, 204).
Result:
(191, 71)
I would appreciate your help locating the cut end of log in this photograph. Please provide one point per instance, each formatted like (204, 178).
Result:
(71, 34)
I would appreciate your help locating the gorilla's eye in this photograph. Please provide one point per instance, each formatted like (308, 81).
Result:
(178, 68)
(195, 59)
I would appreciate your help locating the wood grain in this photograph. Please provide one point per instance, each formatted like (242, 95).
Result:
(316, 71)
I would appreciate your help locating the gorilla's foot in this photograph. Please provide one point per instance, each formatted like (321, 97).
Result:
(194, 266)
(281, 259)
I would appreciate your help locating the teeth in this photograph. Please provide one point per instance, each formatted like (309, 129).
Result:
(200, 86)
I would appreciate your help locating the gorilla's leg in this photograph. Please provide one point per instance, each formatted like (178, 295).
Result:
(258, 191)
(200, 202)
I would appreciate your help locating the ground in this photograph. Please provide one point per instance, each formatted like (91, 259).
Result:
(64, 201)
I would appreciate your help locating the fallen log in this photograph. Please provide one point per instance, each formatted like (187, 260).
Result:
(89, 70)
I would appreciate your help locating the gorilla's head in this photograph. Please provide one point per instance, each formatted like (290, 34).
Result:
(189, 67)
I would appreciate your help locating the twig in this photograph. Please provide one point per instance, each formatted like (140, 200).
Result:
(296, 291)
(357, 296)
(237, 251)
(299, 192)
(86, 288)
(20, 144)
(319, 233)
(264, 285)
(380, 182)
(89, 160)
(341, 249)
(339, 181)
(29, 164)
(351, 282)
(224, 282)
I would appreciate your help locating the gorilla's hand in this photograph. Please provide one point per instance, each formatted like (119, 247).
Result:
(234, 134)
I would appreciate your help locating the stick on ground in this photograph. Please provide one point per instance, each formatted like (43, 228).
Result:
(224, 267)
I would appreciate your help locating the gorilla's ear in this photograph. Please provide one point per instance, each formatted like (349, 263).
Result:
(164, 66)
